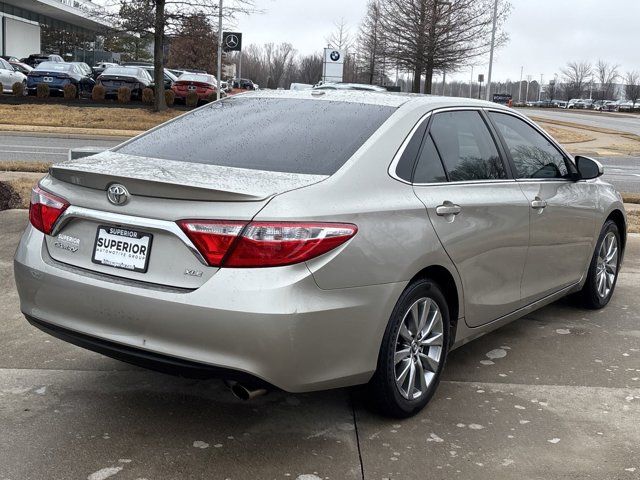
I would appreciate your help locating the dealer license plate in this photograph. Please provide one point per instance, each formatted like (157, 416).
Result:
(122, 248)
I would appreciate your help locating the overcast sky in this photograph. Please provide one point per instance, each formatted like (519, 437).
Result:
(544, 34)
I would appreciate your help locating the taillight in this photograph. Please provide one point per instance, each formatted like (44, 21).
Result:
(212, 238)
(264, 244)
(45, 209)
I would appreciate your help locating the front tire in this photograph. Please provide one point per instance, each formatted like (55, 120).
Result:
(603, 269)
(413, 351)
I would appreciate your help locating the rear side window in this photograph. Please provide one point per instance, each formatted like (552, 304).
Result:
(466, 146)
(429, 168)
(533, 155)
(404, 169)
(276, 134)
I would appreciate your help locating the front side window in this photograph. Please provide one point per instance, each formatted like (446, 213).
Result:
(466, 146)
(533, 155)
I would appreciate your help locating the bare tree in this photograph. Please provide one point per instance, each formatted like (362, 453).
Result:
(281, 57)
(340, 38)
(632, 87)
(371, 42)
(576, 76)
(162, 18)
(431, 35)
(607, 76)
(310, 69)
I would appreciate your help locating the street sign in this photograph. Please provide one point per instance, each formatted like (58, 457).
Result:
(481, 78)
(232, 41)
(333, 65)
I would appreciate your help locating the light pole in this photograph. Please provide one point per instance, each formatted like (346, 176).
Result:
(219, 48)
(520, 86)
(493, 41)
(540, 88)
(527, 94)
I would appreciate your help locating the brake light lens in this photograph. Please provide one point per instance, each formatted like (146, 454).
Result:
(212, 238)
(45, 209)
(264, 244)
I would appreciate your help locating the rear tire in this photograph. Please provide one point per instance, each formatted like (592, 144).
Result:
(603, 269)
(413, 351)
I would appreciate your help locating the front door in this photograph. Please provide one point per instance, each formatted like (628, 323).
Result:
(562, 210)
(480, 215)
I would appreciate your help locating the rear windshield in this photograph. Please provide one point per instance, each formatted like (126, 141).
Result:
(61, 67)
(195, 77)
(132, 72)
(276, 134)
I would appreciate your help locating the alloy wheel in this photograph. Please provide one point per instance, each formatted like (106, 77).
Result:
(607, 264)
(418, 350)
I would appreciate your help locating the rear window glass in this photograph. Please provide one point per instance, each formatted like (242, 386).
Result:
(61, 67)
(276, 134)
(194, 77)
(133, 72)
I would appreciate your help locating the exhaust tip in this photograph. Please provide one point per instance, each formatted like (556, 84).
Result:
(245, 393)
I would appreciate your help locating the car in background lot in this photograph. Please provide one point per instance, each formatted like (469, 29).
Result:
(350, 86)
(10, 58)
(243, 84)
(36, 59)
(86, 69)
(204, 85)
(58, 74)
(572, 103)
(135, 79)
(21, 67)
(283, 254)
(169, 78)
(8, 76)
(100, 67)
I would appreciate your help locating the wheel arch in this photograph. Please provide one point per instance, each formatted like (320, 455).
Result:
(618, 217)
(452, 294)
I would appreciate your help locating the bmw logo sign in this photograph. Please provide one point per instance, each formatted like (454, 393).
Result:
(335, 55)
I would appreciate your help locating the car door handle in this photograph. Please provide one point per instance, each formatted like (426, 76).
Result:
(538, 203)
(448, 208)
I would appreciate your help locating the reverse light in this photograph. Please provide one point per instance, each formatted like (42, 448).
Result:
(45, 209)
(264, 244)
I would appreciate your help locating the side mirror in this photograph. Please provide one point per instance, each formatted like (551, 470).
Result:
(588, 168)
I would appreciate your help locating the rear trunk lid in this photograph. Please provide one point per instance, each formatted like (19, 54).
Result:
(160, 192)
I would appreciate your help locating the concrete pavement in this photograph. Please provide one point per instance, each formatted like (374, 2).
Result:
(555, 395)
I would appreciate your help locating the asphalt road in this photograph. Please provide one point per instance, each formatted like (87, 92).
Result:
(555, 395)
(622, 122)
(45, 148)
(622, 172)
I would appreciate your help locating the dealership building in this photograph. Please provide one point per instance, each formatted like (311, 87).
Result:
(21, 22)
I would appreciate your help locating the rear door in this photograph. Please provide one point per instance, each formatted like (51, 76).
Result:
(479, 213)
(562, 210)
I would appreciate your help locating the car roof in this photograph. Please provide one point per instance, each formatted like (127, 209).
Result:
(390, 99)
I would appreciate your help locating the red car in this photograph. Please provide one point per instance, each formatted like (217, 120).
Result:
(203, 84)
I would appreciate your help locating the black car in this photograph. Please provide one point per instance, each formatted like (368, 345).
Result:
(134, 78)
(57, 75)
(36, 59)
(244, 84)
(169, 78)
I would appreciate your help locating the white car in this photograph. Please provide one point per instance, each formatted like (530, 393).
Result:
(9, 76)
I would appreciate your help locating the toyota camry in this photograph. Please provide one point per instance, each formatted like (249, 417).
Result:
(337, 238)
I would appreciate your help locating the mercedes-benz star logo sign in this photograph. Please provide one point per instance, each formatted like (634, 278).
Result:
(118, 194)
(335, 55)
(232, 41)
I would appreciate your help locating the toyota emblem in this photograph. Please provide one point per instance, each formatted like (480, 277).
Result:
(118, 194)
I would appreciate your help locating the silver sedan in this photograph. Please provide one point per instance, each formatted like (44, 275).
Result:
(317, 239)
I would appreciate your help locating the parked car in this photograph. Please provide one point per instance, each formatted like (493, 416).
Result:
(57, 75)
(36, 59)
(243, 84)
(350, 86)
(86, 69)
(628, 106)
(135, 79)
(21, 67)
(559, 104)
(572, 103)
(283, 254)
(8, 76)
(204, 85)
(100, 67)
(10, 58)
(169, 78)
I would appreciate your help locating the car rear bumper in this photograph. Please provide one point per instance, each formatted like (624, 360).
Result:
(275, 324)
